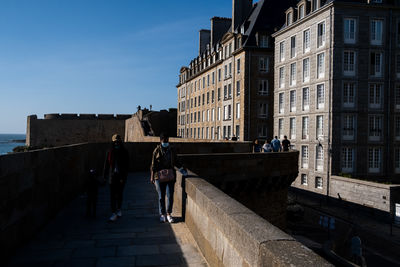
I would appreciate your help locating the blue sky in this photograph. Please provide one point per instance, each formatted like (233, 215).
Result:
(95, 56)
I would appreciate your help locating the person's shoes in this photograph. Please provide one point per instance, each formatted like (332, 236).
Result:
(162, 218)
(119, 213)
(170, 219)
(113, 217)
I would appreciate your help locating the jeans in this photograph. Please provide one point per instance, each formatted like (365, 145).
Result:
(116, 192)
(162, 188)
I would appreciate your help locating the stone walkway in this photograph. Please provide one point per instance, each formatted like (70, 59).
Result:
(136, 239)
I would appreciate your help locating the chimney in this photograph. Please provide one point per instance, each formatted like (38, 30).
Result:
(240, 11)
(204, 40)
(219, 26)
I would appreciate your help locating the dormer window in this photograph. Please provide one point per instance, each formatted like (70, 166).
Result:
(314, 5)
(264, 41)
(289, 18)
(301, 11)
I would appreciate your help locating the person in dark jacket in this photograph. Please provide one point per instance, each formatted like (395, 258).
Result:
(164, 158)
(116, 171)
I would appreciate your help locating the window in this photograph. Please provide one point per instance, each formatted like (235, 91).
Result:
(208, 97)
(348, 94)
(225, 92)
(397, 160)
(207, 133)
(281, 103)
(238, 66)
(208, 115)
(227, 112)
(397, 127)
(264, 41)
(204, 82)
(376, 33)
(213, 114)
(292, 126)
(212, 96)
(229, 90)
(397, 96)
(281, 77)
(237, 131)
(213, 78)
(264, 64)
(375, 95)
(318, 182)
(218, 132)
(321, 34)
(398, 65)
(219, 94)
(237, 88)
(219, 75)
(293, 74)
(349, 60)
(203, 100)
(306, 41)
(304, 179)
(280, 128)
(282, 51)
(262, 110)
(263, 87)
(347, 159)
(374, 160)
(319, 158)
(301, 11)
(204, 116)
(306, 70)
(212, 133)
(349, 31)
(262, 130)
(237, 110)
(376, 67)
(306, 99)
(219, 114)
(208, 80)
(304, 157)
(304, 132)
(194, 119)
(375, 128)
(320, 126)
(320, 96)
(226, 71)
(320, 65)
(348, 127)
(230, 69)
(289, 19)
(292, 101)
(292, 46)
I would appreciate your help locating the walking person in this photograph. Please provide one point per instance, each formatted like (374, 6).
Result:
(267, 146)
(276, 144)
(285, 144)
(256, 146)
(116, 170)
(163, 176)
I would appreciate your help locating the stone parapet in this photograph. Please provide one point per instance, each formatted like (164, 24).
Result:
(229, 234)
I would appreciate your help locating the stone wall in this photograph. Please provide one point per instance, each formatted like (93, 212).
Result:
(368, 194)
(257, 180)
(64, 129)
(229, 234)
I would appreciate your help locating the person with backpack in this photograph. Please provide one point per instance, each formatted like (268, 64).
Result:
(116, 172)
(276, 144)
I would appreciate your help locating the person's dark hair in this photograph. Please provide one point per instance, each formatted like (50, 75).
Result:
(276, 136)
(164, 136)
(285, 136)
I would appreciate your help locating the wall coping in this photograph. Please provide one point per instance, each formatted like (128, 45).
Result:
(367, 183)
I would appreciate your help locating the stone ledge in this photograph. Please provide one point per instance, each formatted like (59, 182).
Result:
(255, 241)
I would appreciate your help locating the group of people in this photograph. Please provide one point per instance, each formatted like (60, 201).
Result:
(274, 146)
(163, 176)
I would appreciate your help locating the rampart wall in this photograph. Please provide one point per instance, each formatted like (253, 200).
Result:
(63, 129)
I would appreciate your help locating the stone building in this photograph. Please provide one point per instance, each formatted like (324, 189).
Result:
(337, 89)
(227, 90)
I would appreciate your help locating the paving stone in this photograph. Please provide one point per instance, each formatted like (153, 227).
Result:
(76, 263)
(114, 235)
(94, 252)
(45, 255)
(170, 248)
(154, 240)
(113, 242)
(138, 250)
(79, 244)
(116, 262)
(159, 260)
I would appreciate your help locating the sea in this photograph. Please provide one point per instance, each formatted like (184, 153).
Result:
(9, 141)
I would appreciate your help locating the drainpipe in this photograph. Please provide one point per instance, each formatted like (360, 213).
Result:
(248, 106)
(388, 118)
(330, 106)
